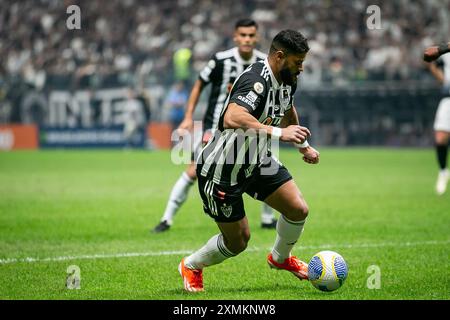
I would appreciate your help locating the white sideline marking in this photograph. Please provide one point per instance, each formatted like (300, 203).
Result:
(181, 252)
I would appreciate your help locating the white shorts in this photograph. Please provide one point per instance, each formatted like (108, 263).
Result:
(442, 118)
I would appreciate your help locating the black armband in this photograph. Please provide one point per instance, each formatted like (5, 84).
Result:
(443, 48)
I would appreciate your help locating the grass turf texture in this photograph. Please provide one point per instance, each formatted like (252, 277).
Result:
(373, 206)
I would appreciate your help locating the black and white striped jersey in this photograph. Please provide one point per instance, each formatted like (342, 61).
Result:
(221, 71)
(444, 63)
(231, 156)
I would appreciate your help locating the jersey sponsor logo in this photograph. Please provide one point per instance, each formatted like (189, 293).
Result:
(285, 97)
(274, 122)
(226, 210)
(252, 96)
(259, 88)
(247, 101)
(267, 121)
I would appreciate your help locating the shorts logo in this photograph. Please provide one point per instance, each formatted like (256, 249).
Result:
(259, 88)
(221, 195)
(226, 210)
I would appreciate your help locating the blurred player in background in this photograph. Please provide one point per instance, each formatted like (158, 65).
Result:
(221, 71)
(442, 118)
(260, 101)
(133, 118)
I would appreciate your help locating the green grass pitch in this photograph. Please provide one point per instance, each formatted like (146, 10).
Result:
(94, 209)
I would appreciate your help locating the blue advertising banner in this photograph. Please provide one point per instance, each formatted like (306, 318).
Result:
(98, 137)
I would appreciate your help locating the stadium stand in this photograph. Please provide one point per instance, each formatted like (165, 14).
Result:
(132, 42)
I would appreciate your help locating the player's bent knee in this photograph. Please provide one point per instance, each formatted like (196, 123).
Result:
(299, 211)
(239, 244)
(191, 173)
(441, 137)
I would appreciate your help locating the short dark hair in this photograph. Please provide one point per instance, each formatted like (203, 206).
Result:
(245, 23)
(290, 41)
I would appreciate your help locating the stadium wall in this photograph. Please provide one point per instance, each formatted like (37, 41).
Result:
(17, 136)
(375, 114)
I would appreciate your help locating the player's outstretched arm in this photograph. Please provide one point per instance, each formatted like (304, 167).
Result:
(434, 52)
(436, 72)
(188, 123)
(238, 117)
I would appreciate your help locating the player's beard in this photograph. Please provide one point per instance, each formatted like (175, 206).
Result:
(287, 77)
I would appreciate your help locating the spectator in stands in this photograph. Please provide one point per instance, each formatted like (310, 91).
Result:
(176, 102)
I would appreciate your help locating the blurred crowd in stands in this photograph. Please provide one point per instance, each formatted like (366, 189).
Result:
(161, 45)
(136, 41)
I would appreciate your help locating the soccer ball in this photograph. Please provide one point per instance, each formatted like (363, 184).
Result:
(327, 270)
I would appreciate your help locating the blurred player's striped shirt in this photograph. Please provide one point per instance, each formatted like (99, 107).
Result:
(445, 62)
(221, 71)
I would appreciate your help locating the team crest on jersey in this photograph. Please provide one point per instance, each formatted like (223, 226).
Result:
(226, 210)
(285, 97)
(259, 88)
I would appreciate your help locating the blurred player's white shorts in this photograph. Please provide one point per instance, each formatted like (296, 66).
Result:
(129, 128)
(442, 118)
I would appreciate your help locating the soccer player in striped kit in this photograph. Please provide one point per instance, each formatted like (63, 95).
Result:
(220, 72)
(258, 109)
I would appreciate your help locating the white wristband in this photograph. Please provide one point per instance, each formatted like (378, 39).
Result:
(276, 132)
(305, 144)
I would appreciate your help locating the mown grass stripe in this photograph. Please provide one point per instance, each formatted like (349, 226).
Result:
(180, 252)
